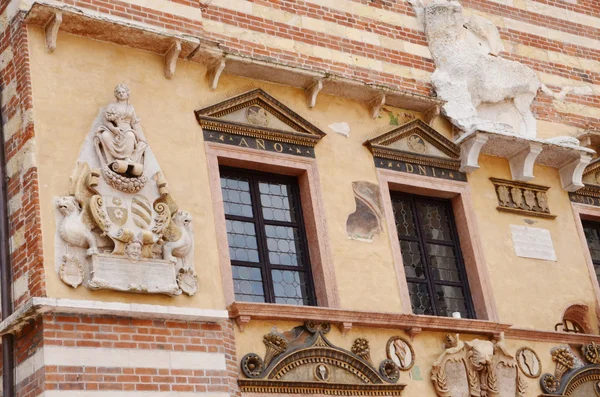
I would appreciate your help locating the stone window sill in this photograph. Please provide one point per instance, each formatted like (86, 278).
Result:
(242, 313)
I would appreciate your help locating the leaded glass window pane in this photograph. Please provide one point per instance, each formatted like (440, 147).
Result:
(592, 235)
(433, 264)
(267, 241)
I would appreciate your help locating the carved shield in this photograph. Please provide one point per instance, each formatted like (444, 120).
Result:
(116, 208)
(71, 271)
(141, 210)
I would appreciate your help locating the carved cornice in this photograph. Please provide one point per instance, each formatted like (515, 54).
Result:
(304, 132)
(330, 389)
(522, 198)
(244, 312)
(379, 146)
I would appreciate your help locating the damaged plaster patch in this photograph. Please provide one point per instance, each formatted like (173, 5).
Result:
(365, 222)
(341, 128)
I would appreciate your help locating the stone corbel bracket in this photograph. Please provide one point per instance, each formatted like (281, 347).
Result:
(213, 73)
(51, 30)
(171, 59)
(469, 152)
(523, 153)
(312, 92)
(521, 164)
(375, 104)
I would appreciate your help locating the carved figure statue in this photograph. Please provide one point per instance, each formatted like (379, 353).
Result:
(121, 135)
(73, 229)
(182, 246)
(121, 144)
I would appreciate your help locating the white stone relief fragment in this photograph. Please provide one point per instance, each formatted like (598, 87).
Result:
(533, 242)
(341, 128)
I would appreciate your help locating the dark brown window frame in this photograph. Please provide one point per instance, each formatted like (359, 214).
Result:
(422, 241)
(586, 223)
(260, 223)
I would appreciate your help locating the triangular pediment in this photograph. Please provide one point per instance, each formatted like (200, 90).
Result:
(416, 142)
(257, 114)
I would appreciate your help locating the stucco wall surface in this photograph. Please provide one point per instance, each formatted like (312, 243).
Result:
(70, 85)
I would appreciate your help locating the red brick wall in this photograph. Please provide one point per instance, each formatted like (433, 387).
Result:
(128, 333)
(24, 219)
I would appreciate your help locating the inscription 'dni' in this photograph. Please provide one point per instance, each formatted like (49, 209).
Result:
(418, 169)
(259, 143)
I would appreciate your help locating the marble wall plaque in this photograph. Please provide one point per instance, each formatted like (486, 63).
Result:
(533, 242)
(149, 276)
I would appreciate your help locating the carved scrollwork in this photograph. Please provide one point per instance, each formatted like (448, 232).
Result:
(252, 365)
(592, 353)
(389, 371)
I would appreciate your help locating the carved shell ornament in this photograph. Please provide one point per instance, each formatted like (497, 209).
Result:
(112, 218)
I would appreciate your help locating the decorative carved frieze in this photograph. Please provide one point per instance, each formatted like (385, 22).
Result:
(118, 231)
(478, 368)
(304, 361)
(256, 114)
(573, 376)
(522, 198)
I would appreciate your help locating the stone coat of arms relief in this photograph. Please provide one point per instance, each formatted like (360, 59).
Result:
(478, 368)
(119, 227)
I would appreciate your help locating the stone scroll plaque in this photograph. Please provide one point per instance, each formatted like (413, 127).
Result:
(533, 242)
(147, 276)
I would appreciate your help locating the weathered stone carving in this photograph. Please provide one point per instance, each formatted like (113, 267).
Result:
(401, 352)
(522, 198)
(304, 361)
(573, 376)
(121, 144)
(529, 363)
(365, 222)
(476, 369)
(483, 91)
(128, 236)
